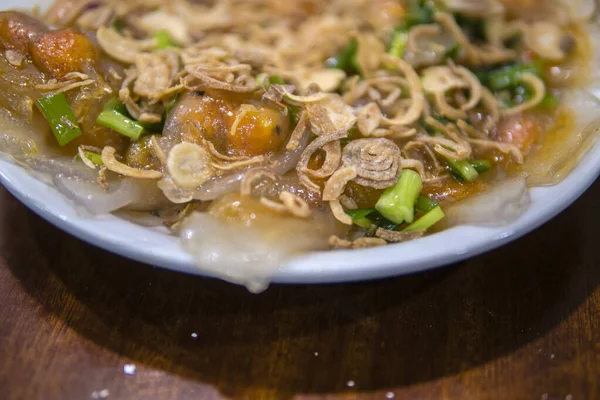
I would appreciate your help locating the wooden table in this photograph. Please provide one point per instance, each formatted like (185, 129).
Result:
(522, 322)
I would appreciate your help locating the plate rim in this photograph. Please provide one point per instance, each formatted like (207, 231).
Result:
(318, 267)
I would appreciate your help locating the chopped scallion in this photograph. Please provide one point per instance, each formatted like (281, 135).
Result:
(481, 166)
(509, 76)
(419, 13)
(425, 205)
(381, 222)
(121, 124)
(294, 115)
(116, 104)
(359, 217)
(346, 59)
(426, 221)
(261, 79)
(397, 203)
(353, 134)
(60, 117)
(456, 176)
(399, 41)
(118, 25)
(93, 157)
(153, 127)
(267, 80)
(163, 39)
(171, 104)
(463, 168)
(474, 28)
(276, 80)
(452, 52)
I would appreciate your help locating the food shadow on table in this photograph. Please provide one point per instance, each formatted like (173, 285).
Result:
(312, 339)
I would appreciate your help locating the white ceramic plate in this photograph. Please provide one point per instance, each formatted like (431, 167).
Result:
(154, 246)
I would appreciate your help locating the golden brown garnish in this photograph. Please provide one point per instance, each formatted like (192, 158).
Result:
(233, 124)
(289, 203)
(338, 212)
(189, 165)
(397, 237)
(336, 184)
(111, 163)
(361, 243)
(377, 162)
(63, 51)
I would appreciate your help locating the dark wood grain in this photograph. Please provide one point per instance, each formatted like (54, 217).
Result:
(521, 322)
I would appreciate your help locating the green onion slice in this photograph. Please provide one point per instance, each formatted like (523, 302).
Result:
(425, 205)
(171, 105)
(346, 59)
(164, 39)
(397, 203)
(399, 41)
(481, 166)
(509, 76)
(463, 168)
(93, 157)
(359, 217)
(426, 221)
(294, 115)
(60, 117)
(115, 104)
(121, 124)
(276, 80)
